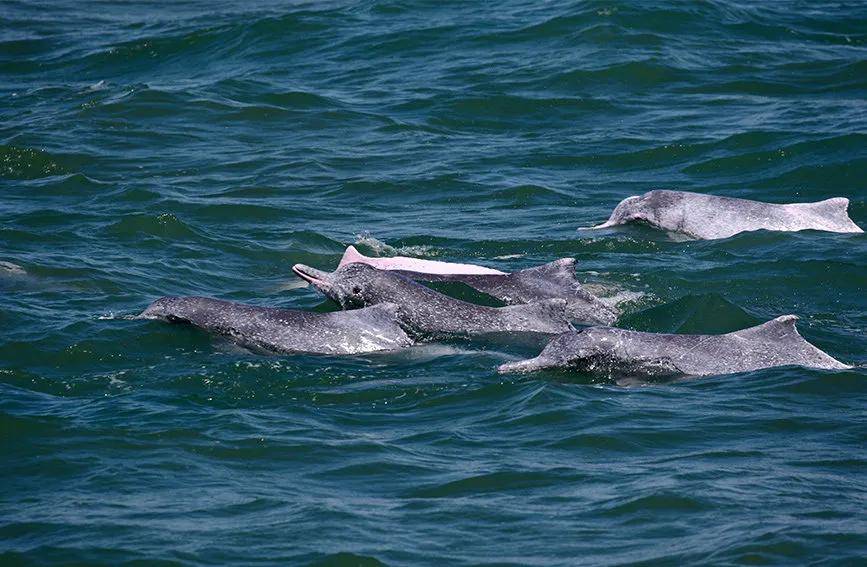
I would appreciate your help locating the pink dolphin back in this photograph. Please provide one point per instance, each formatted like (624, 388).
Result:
(406, 264)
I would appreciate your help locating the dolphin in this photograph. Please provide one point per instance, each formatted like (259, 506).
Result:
(555, 280)
(610, 351)
(415, 265)
(288, 330)
(707, 217)
(428, 313)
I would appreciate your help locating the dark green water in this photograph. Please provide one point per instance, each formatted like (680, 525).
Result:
(204, 147)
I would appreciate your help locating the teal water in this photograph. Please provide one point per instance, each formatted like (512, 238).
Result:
(205, 147)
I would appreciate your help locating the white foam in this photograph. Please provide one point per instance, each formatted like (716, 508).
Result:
(383, 249)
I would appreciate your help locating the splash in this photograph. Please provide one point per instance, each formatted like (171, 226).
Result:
(380, 248)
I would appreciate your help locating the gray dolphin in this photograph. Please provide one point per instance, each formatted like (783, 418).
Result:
(611, 351)
(429, 313)
(288, 330)
(708, 217)
(555, 280)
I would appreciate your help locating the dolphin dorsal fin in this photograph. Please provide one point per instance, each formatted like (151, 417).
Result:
(834, 208)
(830, 214)
(351, 255)
(782, 327)
(563, 269)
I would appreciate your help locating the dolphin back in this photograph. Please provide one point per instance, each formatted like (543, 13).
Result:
(365, 330)
(554, 280)
(547, 317)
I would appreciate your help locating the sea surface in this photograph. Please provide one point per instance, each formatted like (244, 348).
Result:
(204, 147)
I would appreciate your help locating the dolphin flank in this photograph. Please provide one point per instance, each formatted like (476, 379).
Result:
(288, 330)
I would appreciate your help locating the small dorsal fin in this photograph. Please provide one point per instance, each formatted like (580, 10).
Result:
(352, 255)
(564, 268)
(834, 208)
(779, 328)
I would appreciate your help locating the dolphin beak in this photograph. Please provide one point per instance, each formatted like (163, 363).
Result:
(529, 365)
(605, 224)
(319, 279)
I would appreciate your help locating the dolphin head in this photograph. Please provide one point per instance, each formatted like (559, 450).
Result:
(580, 349)
(352, 285)
(629, 209)
(184, 309)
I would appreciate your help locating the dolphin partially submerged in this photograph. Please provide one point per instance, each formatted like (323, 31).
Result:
(610, 351)
(555, 280)
(288, 330)
(415, 265)
(428, 313)
(708, 217)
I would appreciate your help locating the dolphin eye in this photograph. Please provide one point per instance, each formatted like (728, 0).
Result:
(356, 290)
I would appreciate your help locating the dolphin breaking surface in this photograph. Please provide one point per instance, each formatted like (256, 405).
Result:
(386, 308)
(414, 265)
(429, 313)
(288, 330)
(708, 217)
(612, 351)
(554, 280)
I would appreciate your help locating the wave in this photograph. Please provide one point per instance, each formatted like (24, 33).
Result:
(27, 163)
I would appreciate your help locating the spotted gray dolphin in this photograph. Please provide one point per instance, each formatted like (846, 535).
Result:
(708, 217)
(428, 313)
(288, 330)
(555, 280)
(610, 351)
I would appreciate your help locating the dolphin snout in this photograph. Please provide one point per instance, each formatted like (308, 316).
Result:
(529, 365)
(159, 309)
(321, 280)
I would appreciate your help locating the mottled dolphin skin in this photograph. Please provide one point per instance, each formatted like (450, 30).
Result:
(288, 330)
(351, 256)
(610, 351)
(428, 313)
(555, 280)
(707, 217)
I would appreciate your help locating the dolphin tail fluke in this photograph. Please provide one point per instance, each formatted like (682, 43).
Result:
(562, 268)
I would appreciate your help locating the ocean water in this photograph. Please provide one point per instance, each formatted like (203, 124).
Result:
(204, 147)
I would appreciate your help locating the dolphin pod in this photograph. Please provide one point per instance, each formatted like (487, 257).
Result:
(555, 280)
(608, 350)
(708, 217)
(385, 307)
